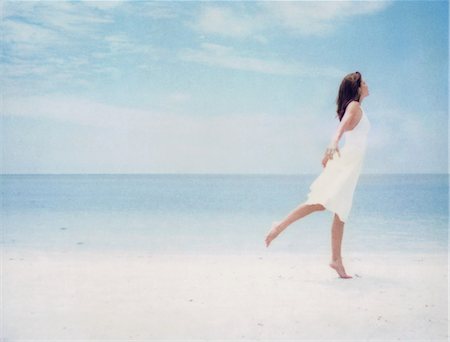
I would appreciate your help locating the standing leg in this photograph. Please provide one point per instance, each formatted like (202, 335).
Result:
(299, 212)
(337, 231)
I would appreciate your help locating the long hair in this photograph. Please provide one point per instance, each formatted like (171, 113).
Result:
(348, 92)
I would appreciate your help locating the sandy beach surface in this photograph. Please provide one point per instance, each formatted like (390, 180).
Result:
(260, 296)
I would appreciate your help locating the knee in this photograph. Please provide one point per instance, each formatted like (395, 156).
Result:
(317, 207)
(320, 207)
(337, 218)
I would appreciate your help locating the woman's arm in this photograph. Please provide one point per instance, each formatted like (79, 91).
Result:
(346, 124)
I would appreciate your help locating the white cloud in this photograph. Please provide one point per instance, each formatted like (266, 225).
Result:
(26, 33)
(46, 24)
(227, 57)
(158, 9)
(135, 140)
(103, 4)
(224, 21)
(295, 17)
(50, 44)
(37, 34)
(123, 43)
(62, 17)
(406, 142)
(72, 109)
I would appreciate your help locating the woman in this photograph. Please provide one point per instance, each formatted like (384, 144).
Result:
(333, 189)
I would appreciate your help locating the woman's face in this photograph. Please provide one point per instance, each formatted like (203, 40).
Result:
(363, 89)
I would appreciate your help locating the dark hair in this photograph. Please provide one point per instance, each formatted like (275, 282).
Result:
(348, 92)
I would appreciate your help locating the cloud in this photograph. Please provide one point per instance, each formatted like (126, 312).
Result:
(62, 17)
(160, 10)
(293, 17)
(407, 142)
(317, 18)
(51, 44)
(225, 21)
(127, 139)
(21, 32)
(103, 4)
(74, 110)
(124, 44)
(227, 57)
(38, 38)
(135, 140)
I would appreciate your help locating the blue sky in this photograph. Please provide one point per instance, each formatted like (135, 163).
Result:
(219, 87)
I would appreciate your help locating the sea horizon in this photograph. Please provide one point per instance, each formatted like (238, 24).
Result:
(211, 173)
(194, 213)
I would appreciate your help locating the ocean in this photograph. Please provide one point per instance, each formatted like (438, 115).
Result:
(208, 214)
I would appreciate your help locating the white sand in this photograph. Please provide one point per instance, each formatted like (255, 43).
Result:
(49, 295)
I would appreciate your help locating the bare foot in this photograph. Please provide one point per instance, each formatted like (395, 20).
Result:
(337, 265)
(273, 233)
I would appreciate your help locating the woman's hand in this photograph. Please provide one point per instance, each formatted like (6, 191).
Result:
(331, 149)
(325, 160)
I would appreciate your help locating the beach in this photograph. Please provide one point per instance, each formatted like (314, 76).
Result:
(182, 257)
(256, 296)
(148, 148)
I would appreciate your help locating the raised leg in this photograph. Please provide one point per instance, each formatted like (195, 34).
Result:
(301, 211)
(337, 231)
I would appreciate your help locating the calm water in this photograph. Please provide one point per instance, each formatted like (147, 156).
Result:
(217, 213)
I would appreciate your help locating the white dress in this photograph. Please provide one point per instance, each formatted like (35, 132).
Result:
(335, 186)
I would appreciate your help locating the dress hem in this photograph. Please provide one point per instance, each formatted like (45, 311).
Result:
(328, 207)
